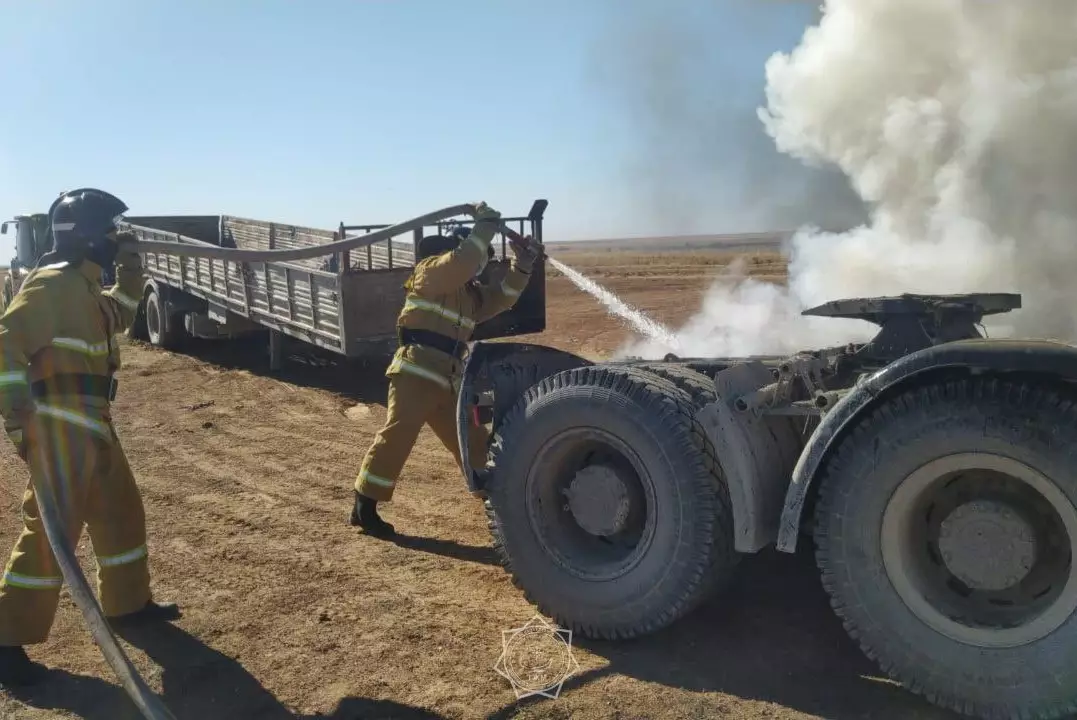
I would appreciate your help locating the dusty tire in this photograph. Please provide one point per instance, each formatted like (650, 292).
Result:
(945, 531)
(695, 384)
(725, 559)
(160, 330)
(659, 492)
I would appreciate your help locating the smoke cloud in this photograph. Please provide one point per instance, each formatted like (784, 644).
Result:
(699, 160)
(956, 121)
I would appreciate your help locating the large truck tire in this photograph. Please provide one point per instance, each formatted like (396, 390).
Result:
(946, 528)
(701, 390)
(602, 501)
(161, 331)
(697, 385)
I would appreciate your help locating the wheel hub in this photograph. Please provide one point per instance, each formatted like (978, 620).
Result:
(987, 545)
(598, 500)
(979, 547)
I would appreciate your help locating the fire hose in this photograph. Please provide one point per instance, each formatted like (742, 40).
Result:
(151, 706)
(198, 248)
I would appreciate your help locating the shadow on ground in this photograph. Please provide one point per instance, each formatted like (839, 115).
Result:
(198, 683)
(483, 555)
(360, 379)
(773, 637)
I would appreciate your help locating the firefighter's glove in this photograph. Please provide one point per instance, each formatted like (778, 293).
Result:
(485, 214)
(127, 250)
(526, 256)
(482, 211)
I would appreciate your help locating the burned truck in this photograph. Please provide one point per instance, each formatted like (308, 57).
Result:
(934, 470)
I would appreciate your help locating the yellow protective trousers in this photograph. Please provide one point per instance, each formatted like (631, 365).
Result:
(94, 486)
(413, 402)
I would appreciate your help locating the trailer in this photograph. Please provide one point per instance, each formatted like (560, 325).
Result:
(344, 302)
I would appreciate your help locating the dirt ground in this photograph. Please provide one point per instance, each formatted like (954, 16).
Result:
(290, 612)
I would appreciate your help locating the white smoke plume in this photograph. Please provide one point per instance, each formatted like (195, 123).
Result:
(957, 122)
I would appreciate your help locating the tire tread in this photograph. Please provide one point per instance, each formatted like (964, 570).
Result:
(994, 396)
(671, 408)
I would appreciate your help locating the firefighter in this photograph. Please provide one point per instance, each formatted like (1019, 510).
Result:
(446, 298)
(57, 363)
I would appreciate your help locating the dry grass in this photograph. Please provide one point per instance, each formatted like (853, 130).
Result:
(604, 264)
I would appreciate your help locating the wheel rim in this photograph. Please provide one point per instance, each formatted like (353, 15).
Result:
(153, 318)
(590, 504)
(979, 547)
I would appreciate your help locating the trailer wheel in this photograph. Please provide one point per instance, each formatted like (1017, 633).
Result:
(946, 528)
(602, 503)
(161, 332)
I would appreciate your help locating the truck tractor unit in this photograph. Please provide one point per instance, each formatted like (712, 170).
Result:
(32, 240)
(934, 470)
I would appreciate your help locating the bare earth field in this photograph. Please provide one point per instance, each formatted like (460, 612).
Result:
(290, 612)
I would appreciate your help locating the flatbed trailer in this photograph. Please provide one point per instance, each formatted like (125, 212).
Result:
(345, 302)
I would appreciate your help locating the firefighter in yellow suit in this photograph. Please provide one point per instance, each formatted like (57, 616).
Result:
(445, 300)
(57, 360)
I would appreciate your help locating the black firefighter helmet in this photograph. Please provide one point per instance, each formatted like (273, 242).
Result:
(82, 223)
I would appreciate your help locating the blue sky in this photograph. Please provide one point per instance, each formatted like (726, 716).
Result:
(617, 111)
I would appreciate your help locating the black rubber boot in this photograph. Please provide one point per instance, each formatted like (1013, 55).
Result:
(17, 669)
(365, 515)
(151, 612)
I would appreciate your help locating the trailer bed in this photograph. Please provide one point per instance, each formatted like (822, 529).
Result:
(346, 302)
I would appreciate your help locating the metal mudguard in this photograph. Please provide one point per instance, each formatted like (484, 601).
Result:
(508, 370)
(977, 356)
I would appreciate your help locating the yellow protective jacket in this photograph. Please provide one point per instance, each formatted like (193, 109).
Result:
(442, 299)
(57, 343)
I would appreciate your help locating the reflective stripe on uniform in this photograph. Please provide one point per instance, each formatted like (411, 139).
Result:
(419, 371)
(75, 418)
(123, 558)
(15, 377)
(373, 479)
(95, 350)
(417, 304)
(31, 582)
(126, 300)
